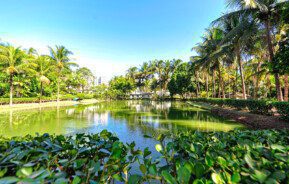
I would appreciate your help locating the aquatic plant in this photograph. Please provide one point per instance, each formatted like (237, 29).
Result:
(186, 157)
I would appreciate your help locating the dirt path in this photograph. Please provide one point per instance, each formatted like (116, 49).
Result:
(253, 121)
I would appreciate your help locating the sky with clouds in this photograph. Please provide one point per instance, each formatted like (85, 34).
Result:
(109, 36)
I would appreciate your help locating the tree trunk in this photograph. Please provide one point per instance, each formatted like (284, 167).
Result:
(214, 84)
(241, 73)
(223, 89)
(207, 85)
(220, 82)
(41, 86)
(254, 87)
(58, 90)
(271, 55)
(286, 86)
(11, 90)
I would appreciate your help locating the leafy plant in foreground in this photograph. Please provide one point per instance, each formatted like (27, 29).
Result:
(185, 157)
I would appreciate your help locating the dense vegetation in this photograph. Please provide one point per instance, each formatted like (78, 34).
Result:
(243, 54)
(187, 157)
(262, 107)
(25, 74)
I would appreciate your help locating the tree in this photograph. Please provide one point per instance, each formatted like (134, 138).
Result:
(239, 34)
(164, 71)
(11, 59)
(181, 82)
(121, 86)
(61, 57)
(85, 76)
(267, 12)
(41, 66)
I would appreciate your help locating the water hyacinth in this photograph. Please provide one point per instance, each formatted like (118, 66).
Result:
(186, 157)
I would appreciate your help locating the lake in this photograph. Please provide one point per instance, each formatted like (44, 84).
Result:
(129, 120)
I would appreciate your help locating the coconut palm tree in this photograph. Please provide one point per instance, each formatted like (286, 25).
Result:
(239, 34)
(211, 55)
(61, 58)
(11, 59)
(41, 66)
(267, 12)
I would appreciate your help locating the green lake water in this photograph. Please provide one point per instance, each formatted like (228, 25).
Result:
(129, 120)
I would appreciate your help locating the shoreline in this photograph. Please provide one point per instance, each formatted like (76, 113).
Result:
(26, 106)
(250, 120)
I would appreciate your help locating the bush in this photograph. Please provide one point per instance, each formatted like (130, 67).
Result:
(260, 107)
(254, 106)
(4, 101)
(282, 109)
(185, 157)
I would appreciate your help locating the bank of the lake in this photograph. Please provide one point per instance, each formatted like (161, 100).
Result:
(27, 106)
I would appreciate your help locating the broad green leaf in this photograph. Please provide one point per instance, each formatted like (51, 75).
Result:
(8, 180)
(236, 178)
(217, 178)
(159, 147)
(169, 178)
(143, 168)
(134, 179)
(76, 180)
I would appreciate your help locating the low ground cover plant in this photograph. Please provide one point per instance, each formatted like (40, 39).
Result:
(186, 157)
(4, 101)
(262, 107)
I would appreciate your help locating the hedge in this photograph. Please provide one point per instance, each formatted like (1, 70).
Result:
(262, 107)
(184, 157)
(4, 101)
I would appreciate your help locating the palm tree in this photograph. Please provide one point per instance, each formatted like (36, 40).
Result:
(60, 56)
(239, 34)
(267, 12)
(164, 71)
(41, 66)
(211, 55)
(11, 59)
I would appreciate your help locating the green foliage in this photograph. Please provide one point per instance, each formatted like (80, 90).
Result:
(282, 109)
(4, 101)
(262, 107)
(77, 159)
(121, 86)
(185, 157)
(181, 82)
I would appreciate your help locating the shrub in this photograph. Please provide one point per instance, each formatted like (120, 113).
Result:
(282, 109)
(259, 107)
(185, 157)
(254, 106)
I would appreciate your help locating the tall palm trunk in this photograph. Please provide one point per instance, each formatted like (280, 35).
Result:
(236, 83)
(207, 85)
(41, 90)
(241, 73)
(11, 89)
(220, 82)
(58, 90)
(223, 89)
(271, 55)
(214, 84)
(286, 86)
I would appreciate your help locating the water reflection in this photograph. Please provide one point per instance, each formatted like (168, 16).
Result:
(130, 120)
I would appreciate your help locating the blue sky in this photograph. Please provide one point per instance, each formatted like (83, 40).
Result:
(108, 36)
